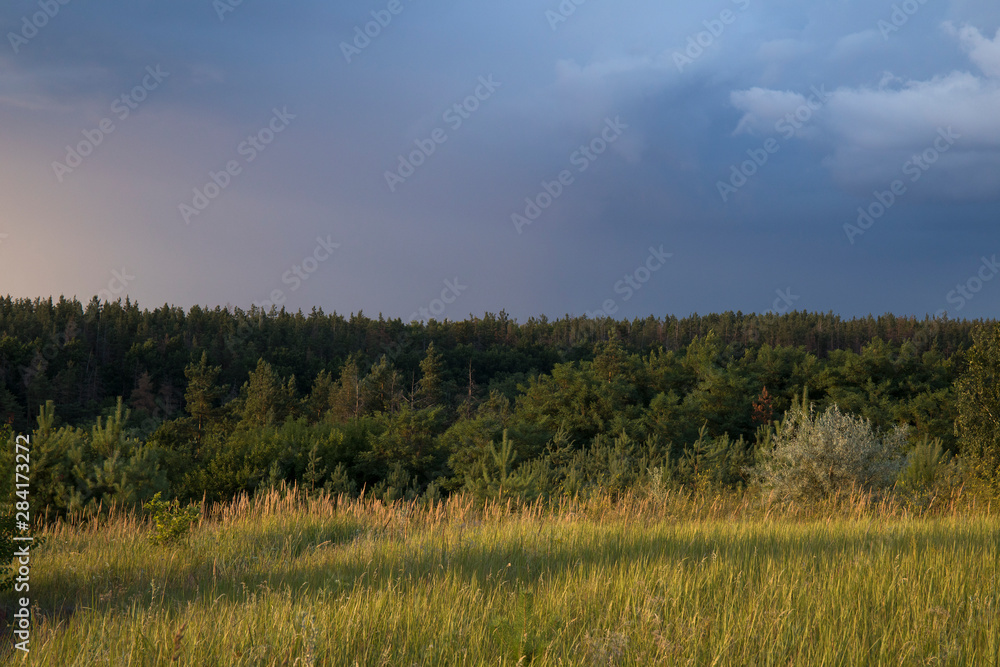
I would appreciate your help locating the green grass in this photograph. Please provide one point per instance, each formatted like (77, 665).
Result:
(677, 581)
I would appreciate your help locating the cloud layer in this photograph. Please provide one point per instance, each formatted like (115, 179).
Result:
(870, 132)
(752, 133)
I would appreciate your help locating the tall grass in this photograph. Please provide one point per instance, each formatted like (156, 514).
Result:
(673, 579)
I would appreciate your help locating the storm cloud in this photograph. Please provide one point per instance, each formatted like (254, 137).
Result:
(368, 155)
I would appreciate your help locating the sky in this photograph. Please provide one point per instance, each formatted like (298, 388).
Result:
(439, 159)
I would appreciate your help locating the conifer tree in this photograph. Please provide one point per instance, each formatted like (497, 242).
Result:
(266, 399)
(381, 387)
(321, 397)
(202, 391)
(142, 397)
(346, 401)
(430, 390)
(610, 359)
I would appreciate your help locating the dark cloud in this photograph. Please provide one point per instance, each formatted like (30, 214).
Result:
(700, 87)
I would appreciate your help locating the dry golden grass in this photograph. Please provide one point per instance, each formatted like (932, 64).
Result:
(677, 579)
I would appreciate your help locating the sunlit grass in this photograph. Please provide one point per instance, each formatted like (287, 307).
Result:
(683, 580)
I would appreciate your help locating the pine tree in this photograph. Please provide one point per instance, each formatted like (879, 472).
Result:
(610, 359)
(381, 388)
(321, 397)
(202, 392)
(346, 400)
(430, 390)
(10, 409)
(143, 398)
(107, 437)
(266, 399)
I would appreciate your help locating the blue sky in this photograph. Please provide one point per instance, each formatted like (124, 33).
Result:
(539, 157)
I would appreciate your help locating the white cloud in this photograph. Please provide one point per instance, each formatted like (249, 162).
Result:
(985, 53)
(875, 129)
(903, 117)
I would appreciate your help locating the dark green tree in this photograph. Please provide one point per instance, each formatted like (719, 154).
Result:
(381, 388)
(143, 398)
(346, 401)
(430, 389)
(266, 400)
(202, 390)
(978, 423)
(321, 397)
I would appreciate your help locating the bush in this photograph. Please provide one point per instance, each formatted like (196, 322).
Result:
(929, 472)
(497, 478)
(813, 457)
(173, 523)
(713, 463)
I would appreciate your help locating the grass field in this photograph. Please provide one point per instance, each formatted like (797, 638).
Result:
(681, 580)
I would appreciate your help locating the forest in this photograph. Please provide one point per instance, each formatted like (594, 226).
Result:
(124, 403)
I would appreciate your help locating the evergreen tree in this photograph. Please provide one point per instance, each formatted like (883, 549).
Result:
(266, 400)
(143, 398)
(10, 408)
(346, 401)
(610, 360)
(321, 398)
(202, 391)
(978, 422)
(381, 387)
(430, 388)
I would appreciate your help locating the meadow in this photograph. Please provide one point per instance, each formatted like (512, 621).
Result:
(665, 578)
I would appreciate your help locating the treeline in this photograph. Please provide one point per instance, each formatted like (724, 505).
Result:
(126, 402)
(84, 356)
